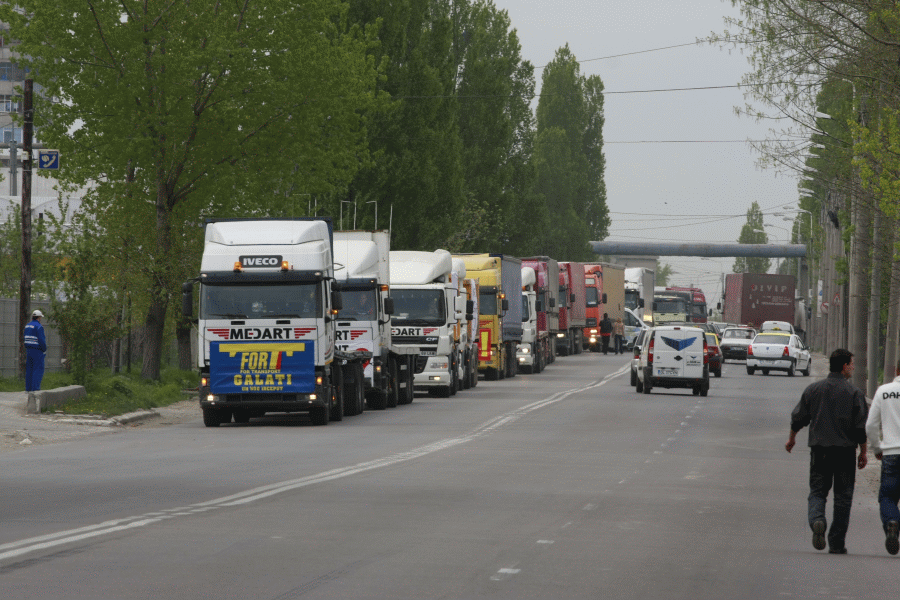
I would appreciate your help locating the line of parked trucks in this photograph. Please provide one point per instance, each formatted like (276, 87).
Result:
(296, 317)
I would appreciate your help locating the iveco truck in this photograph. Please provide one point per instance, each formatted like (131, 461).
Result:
(267, 329)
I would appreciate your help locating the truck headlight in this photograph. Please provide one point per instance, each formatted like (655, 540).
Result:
(560, 335)
(439, 364)
(524, 350)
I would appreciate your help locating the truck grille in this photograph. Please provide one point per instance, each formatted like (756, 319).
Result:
(421, 361)
(591, 322)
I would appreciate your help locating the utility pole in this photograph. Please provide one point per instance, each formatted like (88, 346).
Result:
(25, 283)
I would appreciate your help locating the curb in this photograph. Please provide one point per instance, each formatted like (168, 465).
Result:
(116, 421)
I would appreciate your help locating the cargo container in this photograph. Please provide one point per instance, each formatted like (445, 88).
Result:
(546, 270)
(752, 298)
(572, 308)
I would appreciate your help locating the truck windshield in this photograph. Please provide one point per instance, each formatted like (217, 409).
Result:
(591, 296)
(487, 303)
(425, 307)
(698, 310)
(631, 299)
(669, 306)
(261, 301)
(359, 305)
(525, 315)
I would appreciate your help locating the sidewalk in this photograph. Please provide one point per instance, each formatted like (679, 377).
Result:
(20, 430)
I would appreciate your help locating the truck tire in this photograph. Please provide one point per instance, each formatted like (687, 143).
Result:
(454, 377)
(473, 360)
(336, 411)
(491, 374)
(409, 375)
(512, 362)
(213, 417)
(393, 390)
(577, 343)
(319, 415)
(354, 389)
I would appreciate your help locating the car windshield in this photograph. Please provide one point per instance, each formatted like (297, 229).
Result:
(738, 334)
(711, 339)
(525, 314)
(772, 338)
(256, 301)
(487, 302)
(591, 296)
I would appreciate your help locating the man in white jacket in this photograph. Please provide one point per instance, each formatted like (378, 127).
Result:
(883, 431)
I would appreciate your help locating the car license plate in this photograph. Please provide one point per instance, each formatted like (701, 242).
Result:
(428, 353)
(667, 372)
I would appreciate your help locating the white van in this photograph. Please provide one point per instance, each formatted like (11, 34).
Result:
(674, 356)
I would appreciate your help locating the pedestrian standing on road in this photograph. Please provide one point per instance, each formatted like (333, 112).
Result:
(36, 350)
(883, 431)
(619, 333)
(606, 328)
(836, 412)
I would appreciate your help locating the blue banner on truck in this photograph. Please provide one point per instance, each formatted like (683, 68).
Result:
(283, 367)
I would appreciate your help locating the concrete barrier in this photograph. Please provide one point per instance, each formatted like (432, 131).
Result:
(54, 397)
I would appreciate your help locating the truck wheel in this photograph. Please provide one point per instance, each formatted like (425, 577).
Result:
(354, 390)
(319, 415)
(213, 417)
(336, 411)
(473, 360)
(393, 392)
(491, 374)
(454, 378)
(409, 375)
(576, 343)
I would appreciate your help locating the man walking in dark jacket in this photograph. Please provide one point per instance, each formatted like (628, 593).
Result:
(836, 412)
(606, 328)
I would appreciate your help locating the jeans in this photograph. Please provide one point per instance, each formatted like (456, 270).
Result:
(604, 339)
(889, 492)
(832, 465)
(620, 344)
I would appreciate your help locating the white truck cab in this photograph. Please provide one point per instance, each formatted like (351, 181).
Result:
(527, 349)
(674, 356)
(427, 311)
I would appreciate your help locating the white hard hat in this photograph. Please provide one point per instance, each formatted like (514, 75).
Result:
(37, 313)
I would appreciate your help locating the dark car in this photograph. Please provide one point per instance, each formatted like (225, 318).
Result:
(715, 354)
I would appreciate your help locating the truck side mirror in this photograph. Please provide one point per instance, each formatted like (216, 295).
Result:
(504, 305)
(337, 301)
(552, 302)
(388, 306)
(470, 307)
(710, 313)
(539, 306)
(187, 299)
(654, 307)
(719, 306)
(571, 298)
(641, 302)
(604, 298)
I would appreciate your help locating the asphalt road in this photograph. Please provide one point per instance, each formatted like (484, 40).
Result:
(565, 484)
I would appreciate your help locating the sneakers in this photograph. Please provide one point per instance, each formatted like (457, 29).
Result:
(891, 543)
(837, 551)
(819, 535)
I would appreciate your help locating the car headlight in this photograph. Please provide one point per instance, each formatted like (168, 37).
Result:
(439, 364)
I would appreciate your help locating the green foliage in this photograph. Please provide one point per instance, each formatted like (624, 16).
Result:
(110, 395)
(569, 162)
(752, 233)
(662, 274)
(175, 109)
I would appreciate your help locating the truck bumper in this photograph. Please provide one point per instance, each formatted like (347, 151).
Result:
(432, 371)
(286, 403)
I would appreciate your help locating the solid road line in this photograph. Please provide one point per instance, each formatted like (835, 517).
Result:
(20, 548)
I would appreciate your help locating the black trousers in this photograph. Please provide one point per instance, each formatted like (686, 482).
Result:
(832, 466)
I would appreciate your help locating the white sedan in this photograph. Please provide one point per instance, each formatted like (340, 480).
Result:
(778, 351)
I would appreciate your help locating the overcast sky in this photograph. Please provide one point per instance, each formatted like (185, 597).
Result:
(665, 191)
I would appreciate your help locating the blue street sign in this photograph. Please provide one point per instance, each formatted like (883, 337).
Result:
(48, 159)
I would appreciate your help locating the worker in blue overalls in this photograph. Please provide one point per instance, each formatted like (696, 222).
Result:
(36, 349)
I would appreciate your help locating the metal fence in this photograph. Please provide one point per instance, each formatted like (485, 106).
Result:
(11, 338)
